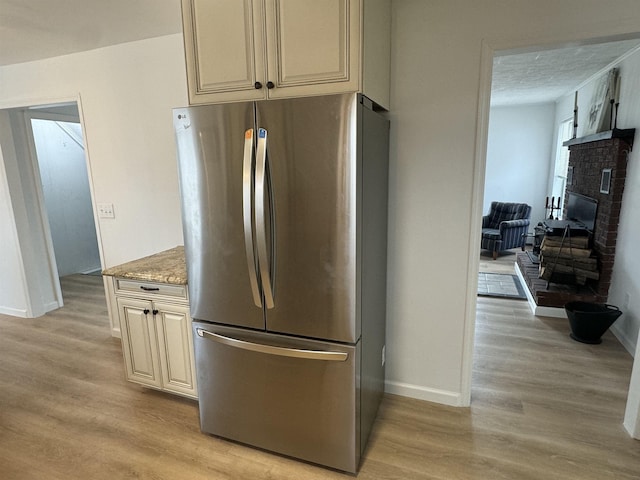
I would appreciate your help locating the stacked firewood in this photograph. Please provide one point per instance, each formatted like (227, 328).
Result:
(566, 259)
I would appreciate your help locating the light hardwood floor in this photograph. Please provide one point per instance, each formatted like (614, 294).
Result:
(505, 263)
(544, 407)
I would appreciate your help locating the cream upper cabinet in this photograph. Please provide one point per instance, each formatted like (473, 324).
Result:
(225, 49)
(262, 49)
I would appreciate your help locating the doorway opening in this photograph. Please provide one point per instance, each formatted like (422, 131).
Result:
(503, 324)
(60, 155)
(51, 228)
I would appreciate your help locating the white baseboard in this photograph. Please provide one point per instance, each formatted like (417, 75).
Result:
(115, 332)
(623, 339)
(91, 270)
(51, 306)
(444, 397)
(24, 313)
(13, 312)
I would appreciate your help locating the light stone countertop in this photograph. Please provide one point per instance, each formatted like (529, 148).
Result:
(164, 267)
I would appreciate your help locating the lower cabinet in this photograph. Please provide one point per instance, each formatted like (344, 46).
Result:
(156, 336)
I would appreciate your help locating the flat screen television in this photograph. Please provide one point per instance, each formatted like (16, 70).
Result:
(581, 209)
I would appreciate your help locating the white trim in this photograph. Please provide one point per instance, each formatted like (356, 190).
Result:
(444, 397)
(55, 117)
(87, 157)
(112, 306)
(36, 102)
(631, 421)
(42, 210)
(48, 307)
(553, 312)
(91, 270)
(55, 101)
(538, 311)
(479, 169)
(14, 229)
(624, 339)
(25, 103)
(15, 312)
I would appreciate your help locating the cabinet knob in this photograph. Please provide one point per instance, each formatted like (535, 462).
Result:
(145, 311)
(155, 312)
(270, 85)
(257, 85)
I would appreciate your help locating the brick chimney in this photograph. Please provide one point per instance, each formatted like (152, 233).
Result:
(590, 158)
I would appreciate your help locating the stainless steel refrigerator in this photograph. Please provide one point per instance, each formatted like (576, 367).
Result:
(284, 206)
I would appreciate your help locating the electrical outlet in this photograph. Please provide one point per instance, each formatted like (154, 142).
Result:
(105, 210)
(383, 354)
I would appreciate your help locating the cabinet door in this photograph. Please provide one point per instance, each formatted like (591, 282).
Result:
(224, 47)
(139, 341)
(313, 46)
(175, 345)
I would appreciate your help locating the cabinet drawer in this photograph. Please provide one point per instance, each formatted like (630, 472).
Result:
(151, 289)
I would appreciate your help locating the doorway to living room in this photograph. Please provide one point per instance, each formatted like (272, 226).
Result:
(502, 321)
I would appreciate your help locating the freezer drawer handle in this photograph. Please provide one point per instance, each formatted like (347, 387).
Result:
(272, 350)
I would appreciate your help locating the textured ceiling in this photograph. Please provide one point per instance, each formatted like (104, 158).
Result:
(545, 76)
(37, 29)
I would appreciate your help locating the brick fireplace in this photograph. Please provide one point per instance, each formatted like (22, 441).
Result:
(597, 169)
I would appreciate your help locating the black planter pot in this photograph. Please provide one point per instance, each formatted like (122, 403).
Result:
(589, 321)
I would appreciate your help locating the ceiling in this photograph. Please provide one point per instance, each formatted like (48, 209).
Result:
(36, 29)
(544, 76)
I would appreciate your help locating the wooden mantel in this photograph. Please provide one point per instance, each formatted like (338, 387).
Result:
(626, 134)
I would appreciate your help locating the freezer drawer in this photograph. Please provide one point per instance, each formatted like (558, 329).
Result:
(295, 397)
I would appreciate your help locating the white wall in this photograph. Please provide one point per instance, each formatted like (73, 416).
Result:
(126, 93)
(441, 61)
(519, 156)
(625, 286)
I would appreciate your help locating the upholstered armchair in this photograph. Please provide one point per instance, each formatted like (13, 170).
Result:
(505, 227)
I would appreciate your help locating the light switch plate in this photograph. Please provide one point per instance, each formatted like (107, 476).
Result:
(105, 210)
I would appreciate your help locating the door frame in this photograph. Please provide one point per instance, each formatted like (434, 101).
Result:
(34, 173)
(489, 49)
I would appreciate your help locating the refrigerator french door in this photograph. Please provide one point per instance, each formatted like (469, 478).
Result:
(284, 215)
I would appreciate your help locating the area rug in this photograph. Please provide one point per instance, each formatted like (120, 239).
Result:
(500, 285)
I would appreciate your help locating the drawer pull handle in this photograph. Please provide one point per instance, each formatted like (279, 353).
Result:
(149, 289)
(272, 349)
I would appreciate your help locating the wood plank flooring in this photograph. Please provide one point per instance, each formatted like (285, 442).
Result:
(544, 407)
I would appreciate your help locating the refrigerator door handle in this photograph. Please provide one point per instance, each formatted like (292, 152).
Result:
(261, 192)
(247, 186)
(326, 355)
